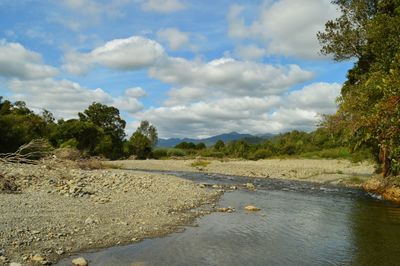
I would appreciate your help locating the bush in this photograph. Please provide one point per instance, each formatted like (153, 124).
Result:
(212, 154)
(261, 154)
(160, 153)
(71, 143)
(176, 153)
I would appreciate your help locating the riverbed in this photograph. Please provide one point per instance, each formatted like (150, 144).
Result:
(300, 223)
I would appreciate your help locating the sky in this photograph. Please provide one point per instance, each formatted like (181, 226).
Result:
(192, 68)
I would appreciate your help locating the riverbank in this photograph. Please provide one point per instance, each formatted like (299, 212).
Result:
(336, 172)
(51, 210)
(388, 187)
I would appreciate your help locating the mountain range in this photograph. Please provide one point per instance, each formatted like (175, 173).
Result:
(227, 137)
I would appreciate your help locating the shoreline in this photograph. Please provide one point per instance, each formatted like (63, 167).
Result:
(336, 172)
(57, 209)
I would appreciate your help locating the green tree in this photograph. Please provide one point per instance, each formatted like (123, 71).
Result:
(369, 104)
(219, 145)
(109, 121)
(143, 140)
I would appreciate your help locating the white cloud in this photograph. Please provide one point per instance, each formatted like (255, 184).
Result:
(250, 52)
(320, 97)
(63, 97)
(66, 98)
(175, 38)
(18, 62)
(256, 115)
(122, 54)
(227, 76)
(286, 27)
(129, 101)
(163, 6)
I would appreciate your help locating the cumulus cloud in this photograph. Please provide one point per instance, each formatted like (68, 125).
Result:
(63, 97)
(250, 52)
(122, 54)
(129, 101)
(285, 27)
(66, 98)
(227, 76)
(273, 113)
(18, 62)
(320, 97)
(175, 38)
(163, 6)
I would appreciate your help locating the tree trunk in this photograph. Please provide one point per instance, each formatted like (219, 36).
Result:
(384, 157)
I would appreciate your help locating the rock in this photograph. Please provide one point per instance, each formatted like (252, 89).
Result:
(80, 262)
(252, 208)
(37, 258)
(226, 209)
(15, 264)
(250, 186)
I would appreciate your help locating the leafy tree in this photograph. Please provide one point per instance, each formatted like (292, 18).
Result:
(143, 140)
(105, 117)
(369, 105)
(110, 123)
(149, 131)
(219, 145)
(186, 146)
(84, 136)
(200, 146)
(19, 125)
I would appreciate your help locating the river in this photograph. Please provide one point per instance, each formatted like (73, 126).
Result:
(300, 223)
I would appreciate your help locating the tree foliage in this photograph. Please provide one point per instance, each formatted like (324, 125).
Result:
(143, 140)
(369, 104)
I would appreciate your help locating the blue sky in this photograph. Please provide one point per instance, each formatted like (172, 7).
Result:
(192, 68)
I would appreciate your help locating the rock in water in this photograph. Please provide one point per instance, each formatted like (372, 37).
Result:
(252, 208)
(80, 262)
(250, 186)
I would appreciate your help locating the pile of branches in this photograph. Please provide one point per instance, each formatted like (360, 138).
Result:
(29, 153)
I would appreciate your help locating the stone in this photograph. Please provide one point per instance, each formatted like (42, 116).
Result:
(37, 258)
(226, 209)
(252, 208)
(80, 262)
(15, 264)
(250, 186)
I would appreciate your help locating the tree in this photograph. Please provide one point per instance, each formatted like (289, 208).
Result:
(219, 145)
(105, 117)
(369, 104)
(143, 140)
(109, 121)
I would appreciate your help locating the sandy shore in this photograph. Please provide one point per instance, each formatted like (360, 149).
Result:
(50, 211)
(322, 171)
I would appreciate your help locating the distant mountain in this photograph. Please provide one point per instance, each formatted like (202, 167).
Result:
(168, 143)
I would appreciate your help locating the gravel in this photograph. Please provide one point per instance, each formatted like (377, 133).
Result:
(322, 171)
(55, 209)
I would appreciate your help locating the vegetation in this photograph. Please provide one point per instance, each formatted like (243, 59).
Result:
(99, 131)
(369, 105)
(143, 140)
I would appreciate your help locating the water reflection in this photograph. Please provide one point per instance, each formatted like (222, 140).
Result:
(376, 231)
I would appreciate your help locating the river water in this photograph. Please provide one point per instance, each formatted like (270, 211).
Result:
(299, 223)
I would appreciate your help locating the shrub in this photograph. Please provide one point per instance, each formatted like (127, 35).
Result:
(200, 163)
(176, 153)
(160, 153)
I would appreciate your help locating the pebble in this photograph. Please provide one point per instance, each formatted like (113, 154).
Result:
(252, 208)
(250, 186)
(80, 262)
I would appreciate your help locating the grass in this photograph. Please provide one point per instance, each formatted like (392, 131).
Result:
(200, 163)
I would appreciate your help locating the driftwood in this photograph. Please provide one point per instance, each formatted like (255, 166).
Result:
(28, 153)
